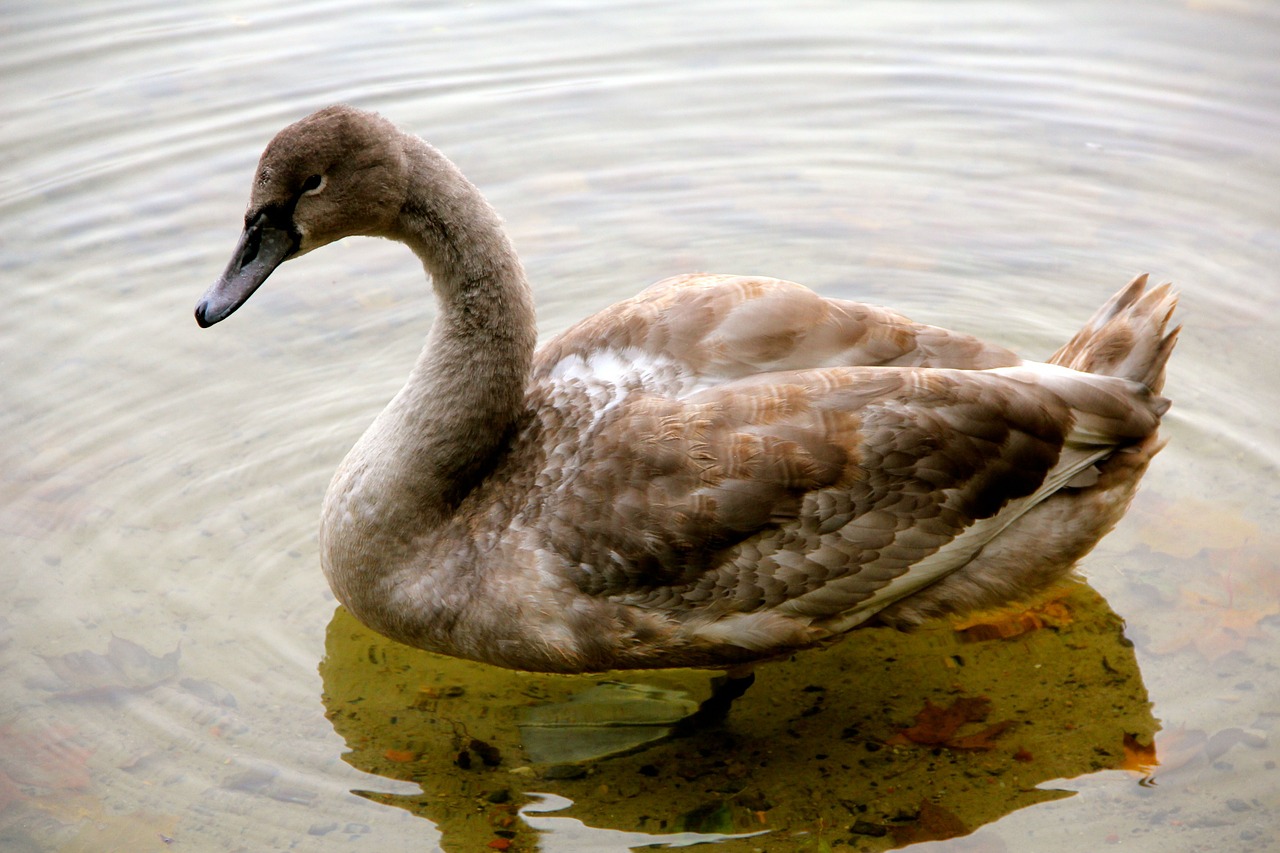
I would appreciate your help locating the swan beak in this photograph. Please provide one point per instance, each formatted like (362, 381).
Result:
(261, 249)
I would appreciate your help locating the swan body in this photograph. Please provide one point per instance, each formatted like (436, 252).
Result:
(719, 470)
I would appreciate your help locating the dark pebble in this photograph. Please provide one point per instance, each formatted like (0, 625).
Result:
(488, 753)
(1237, 805)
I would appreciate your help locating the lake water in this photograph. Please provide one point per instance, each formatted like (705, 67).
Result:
(175, 673)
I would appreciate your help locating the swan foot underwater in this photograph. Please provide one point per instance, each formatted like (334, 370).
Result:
(718, 471)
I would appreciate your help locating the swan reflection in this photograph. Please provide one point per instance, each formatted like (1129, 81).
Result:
(849, 742)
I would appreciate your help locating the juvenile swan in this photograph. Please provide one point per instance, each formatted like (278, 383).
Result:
(717, 471)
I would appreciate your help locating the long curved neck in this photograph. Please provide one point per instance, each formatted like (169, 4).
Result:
(468, 386)
(452, 420)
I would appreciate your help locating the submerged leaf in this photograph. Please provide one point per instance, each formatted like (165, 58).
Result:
(126, 667)
(933, 824)
(1185, 527)
(1224, 609)
(1005, 623)
(1138, 757)
(935, 724)
(982, 740)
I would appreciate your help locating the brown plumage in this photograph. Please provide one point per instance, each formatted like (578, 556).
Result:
(719, 470)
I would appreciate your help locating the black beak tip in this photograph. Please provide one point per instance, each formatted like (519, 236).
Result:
(261, 249)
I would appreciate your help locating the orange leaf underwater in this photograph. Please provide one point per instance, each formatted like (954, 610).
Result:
(1004, 624)
(937, 726)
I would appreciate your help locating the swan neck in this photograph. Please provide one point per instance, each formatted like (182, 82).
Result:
(467, 388)
(452, 422)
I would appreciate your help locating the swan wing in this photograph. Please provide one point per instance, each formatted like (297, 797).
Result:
(809, 493)
(712, 328)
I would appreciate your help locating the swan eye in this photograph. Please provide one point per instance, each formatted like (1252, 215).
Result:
(313, 184)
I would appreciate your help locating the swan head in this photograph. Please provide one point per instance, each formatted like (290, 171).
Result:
(337, 173)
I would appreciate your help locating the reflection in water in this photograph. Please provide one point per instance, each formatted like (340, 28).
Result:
(884, 740)
(567, 833)
(611, 718)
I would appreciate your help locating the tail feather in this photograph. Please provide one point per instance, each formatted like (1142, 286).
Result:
(1128, 337)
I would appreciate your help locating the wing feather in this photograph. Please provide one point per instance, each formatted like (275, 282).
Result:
(717, 327)
(711, 464)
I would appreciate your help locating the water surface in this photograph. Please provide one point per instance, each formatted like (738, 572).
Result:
(175, 673)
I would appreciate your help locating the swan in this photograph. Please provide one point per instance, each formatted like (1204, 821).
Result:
(718, 471)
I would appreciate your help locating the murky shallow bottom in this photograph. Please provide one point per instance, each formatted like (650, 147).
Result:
(868, 733)
(175, 675)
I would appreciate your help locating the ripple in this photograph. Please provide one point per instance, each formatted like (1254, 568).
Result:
(997, 167)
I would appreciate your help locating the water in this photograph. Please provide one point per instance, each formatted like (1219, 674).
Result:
(175, 674)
